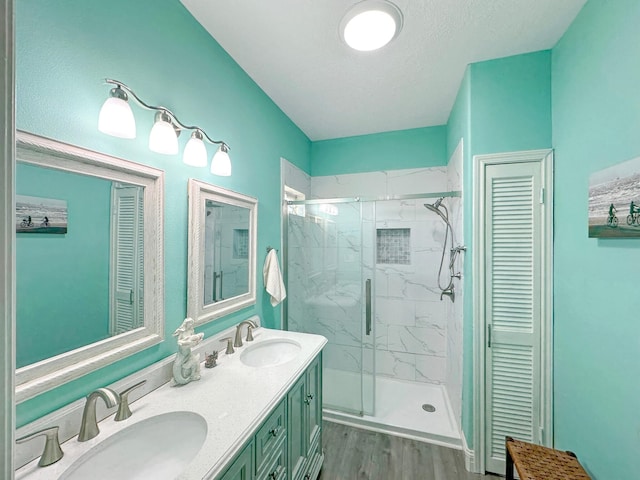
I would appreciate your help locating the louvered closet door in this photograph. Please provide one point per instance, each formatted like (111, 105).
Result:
(513, 306)
(127, 259)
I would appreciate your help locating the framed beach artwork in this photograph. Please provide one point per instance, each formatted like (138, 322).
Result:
(614, 201)
(40, 215)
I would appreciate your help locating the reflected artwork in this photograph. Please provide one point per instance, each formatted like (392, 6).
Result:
(40, 215)
(614, 201)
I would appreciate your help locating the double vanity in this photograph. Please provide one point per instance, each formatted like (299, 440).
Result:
(256, 415)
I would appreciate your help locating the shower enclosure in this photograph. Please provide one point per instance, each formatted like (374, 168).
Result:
(364, 274)
(329, 257)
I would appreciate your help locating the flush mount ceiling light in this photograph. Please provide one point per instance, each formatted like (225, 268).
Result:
(370, 25)
(116, 118)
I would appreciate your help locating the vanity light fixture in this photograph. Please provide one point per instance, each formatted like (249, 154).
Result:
(370, 25)
(221, 163)
(163, 137)
(116, 119)
(195, 152)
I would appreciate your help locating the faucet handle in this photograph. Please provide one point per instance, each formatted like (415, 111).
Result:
(52, 451)
(229, 341)
(249, 333)
(124, 411)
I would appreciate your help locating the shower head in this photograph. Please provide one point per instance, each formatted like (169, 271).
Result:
(435, 206)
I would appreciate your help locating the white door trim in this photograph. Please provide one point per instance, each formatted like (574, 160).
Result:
(7, 240)
(480, 162)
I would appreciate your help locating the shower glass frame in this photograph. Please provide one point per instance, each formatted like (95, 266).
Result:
(366, 405)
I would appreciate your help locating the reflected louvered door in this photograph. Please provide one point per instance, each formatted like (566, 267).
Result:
(513, 243)
(127, 260)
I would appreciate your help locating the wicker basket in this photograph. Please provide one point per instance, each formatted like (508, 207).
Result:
(534, 462)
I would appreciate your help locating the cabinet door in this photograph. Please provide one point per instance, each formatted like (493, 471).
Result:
(297, 411)
(313, 400)
(242, 467)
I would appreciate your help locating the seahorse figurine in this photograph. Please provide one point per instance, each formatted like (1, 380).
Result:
(186, 367)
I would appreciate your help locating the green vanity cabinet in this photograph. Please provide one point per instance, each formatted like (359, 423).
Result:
(271, 446)
(304, 405)
(242, 467)
(288, 444)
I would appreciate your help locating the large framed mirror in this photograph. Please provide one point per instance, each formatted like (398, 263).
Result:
(222, 251)
(89, 261)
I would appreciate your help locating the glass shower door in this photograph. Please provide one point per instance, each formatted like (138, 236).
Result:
(330, 248)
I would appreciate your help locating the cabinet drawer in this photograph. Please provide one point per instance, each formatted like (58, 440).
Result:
(270, 435)
(315, 459)
(275, 467)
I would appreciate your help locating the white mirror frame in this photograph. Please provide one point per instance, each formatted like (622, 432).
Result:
(39, 377)
(199, 192)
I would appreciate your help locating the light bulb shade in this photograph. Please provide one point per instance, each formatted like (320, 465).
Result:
(116, 117)
(195, 152)
(163, 138)
(371, 24)
(221, 163)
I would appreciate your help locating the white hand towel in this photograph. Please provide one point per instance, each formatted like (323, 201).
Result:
(273, 278)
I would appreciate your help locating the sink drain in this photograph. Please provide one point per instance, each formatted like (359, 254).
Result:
(427, 407)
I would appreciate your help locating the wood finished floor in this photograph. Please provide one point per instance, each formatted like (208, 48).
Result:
(353, 454)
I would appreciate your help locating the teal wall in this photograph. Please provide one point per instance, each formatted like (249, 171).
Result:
(64, 51)
(503, 105)
(511, 103)
(596, 124)
(74, 266)
(415, 148)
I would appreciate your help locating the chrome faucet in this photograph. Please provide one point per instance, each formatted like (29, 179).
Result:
(448, 292)
(124, 411)
(52, 451)
(251, 326)
(89, 425)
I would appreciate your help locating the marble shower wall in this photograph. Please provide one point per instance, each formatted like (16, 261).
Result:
(411, 324)
(293, 177)
(418, 337)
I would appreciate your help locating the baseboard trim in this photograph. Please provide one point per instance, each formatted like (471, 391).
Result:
(469, 456)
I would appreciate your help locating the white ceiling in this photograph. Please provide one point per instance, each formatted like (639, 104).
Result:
(292, 50)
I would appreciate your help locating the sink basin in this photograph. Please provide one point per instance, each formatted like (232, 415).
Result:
(270, 353)
(157, 448)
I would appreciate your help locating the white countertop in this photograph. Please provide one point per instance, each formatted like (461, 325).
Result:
(234, 399)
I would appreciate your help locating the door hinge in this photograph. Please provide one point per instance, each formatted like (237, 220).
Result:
(541, 194)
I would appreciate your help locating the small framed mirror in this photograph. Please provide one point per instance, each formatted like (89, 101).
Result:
(222, 251)
(89, 261)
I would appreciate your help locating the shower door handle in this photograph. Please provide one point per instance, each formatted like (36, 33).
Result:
(367, 307)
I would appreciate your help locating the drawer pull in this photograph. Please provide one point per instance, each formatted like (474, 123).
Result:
(275, 431)
(309, 398)
(276, 473)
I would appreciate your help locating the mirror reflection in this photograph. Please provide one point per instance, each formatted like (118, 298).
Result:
(89, 255)
(222, 251)
(84, 283)
(226, 251)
